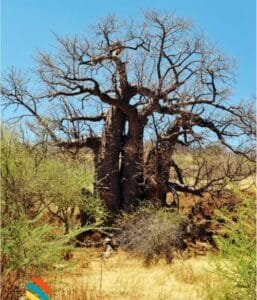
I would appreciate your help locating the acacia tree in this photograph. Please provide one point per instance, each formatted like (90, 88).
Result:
(128, 82)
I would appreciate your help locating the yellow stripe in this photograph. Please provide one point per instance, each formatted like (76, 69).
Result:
(31, 296)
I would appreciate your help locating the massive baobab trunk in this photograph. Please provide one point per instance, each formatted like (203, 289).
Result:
(108, 172)
(132, 168)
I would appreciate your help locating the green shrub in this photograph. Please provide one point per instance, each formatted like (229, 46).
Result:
(28, 248)
(38, 180)
(235, 265)
(152, 233)
(35, 183)
(91, 209)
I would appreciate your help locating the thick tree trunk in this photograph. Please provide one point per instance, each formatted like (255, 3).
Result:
(108, 171)
(132, 168)
(157, 172)
(157, 169)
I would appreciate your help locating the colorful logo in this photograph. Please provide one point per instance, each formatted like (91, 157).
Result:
(37, 289)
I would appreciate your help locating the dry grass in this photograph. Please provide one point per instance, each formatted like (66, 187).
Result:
(123, 277)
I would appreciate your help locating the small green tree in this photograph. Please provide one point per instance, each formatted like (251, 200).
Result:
(34, 183)
(28, 248)
(235, 266)
(39, 180)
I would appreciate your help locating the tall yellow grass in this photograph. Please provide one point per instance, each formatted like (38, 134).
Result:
(123, 277)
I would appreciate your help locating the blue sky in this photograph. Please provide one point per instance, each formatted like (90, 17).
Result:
(27, 26)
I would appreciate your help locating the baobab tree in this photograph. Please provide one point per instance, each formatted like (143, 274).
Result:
(128, 82)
